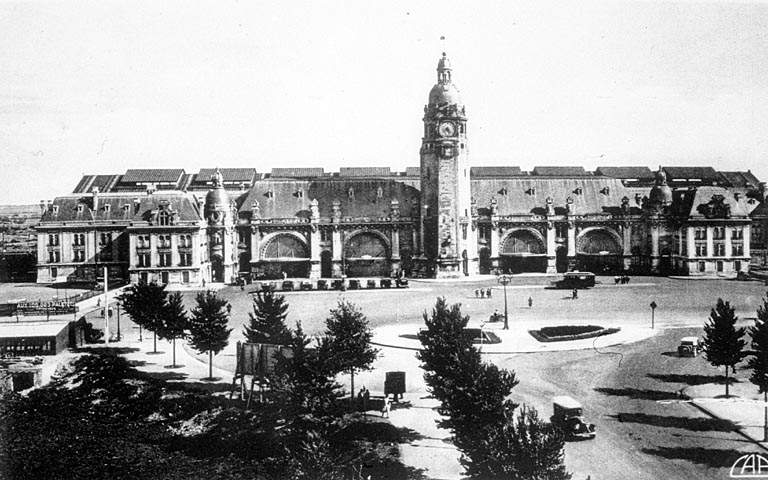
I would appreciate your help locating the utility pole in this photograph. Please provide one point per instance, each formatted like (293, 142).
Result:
(106, 302)
(505, 280)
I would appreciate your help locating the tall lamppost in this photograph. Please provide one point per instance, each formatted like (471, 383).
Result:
(653, 314)
(505, 280)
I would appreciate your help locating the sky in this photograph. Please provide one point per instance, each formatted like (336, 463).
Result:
(97, 87)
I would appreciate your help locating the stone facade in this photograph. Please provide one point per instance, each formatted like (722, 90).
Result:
(441, 219)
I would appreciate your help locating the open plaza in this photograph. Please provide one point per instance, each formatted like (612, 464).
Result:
(657, 415)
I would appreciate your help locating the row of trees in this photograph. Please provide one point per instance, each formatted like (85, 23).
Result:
(151, 308)
(496, 442)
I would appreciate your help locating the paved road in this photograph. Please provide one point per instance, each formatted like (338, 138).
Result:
(643, 431)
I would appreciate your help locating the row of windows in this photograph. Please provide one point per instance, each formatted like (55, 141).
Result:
(163, 241)
(718, 249)
(719, 266)
(78, 239)
(164, 260)
(718, 233)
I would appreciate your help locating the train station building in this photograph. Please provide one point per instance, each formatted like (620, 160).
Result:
(443, 218)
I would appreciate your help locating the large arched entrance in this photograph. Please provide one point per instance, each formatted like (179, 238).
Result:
(284, 255)
(523, 251)
(599, 251)
(366, 255)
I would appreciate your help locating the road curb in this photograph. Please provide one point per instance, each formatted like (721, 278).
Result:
(710, 414)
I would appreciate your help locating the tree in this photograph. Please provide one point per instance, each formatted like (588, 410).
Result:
(304, 386)
(474, 398)
(146, 304)
(208, 330)
(723, 343)
(175, 321)
(267, 322)
(348, 338)
(758, 361)
(524, 447)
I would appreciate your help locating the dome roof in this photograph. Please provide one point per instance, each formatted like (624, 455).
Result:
(661, 193)
(216, 197)
(444, 93)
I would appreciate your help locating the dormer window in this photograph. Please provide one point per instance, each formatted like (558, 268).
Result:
(351, 193)
(300, 193)
(578, 190)
(107, 208)
(379, 192)
(269, 194)
(605, 190)
(79, 208)
(55, 209)
(163, 218)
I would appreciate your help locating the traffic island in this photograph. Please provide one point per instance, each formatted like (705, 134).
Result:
(563, 333)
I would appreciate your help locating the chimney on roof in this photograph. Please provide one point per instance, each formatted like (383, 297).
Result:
(95, 193)
(761, 188)
(737, 196)
(42, 206)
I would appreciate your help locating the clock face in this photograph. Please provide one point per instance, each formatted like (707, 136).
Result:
(446, 129)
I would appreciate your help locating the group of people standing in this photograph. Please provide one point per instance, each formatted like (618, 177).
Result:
(483, 292)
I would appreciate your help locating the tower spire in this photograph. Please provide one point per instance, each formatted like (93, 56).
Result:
(443, 70)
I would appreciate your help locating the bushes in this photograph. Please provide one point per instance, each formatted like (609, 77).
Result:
(563, 333)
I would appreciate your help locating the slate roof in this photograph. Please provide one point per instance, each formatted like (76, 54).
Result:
(740, 179)
(495, 172)
(138, 206)
(137, 175)
(105, 183)
(237, 175)
(528, 195)
(626, 173)
(559, 171)
(686, 202)
(365, 172)
(297, 172)
(706, 174)
(760, 210)
(281, 198)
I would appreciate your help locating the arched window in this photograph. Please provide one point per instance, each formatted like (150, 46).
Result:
(285, 247)
(365, 246)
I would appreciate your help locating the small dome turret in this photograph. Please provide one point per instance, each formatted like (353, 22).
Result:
(217, 199)
(444, 91)
(661, 193)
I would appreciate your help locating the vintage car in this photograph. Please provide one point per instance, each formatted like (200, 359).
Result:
(689, 347)
(569, 417)
(575, 279)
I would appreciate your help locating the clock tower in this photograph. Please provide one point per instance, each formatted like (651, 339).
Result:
(449, 241)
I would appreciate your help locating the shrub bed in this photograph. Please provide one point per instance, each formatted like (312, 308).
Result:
(563, 333)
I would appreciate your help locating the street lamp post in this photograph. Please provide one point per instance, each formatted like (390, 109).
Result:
(653, 314)
(505, 280)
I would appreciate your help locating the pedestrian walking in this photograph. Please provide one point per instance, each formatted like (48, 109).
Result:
(530, 302)
(575, 294)
(385, 409)
(366, 398)
(482, 293)
(488, 292)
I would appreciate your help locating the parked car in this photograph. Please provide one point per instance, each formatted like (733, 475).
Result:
(575, 279)
(689, 347)
(569, 417)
